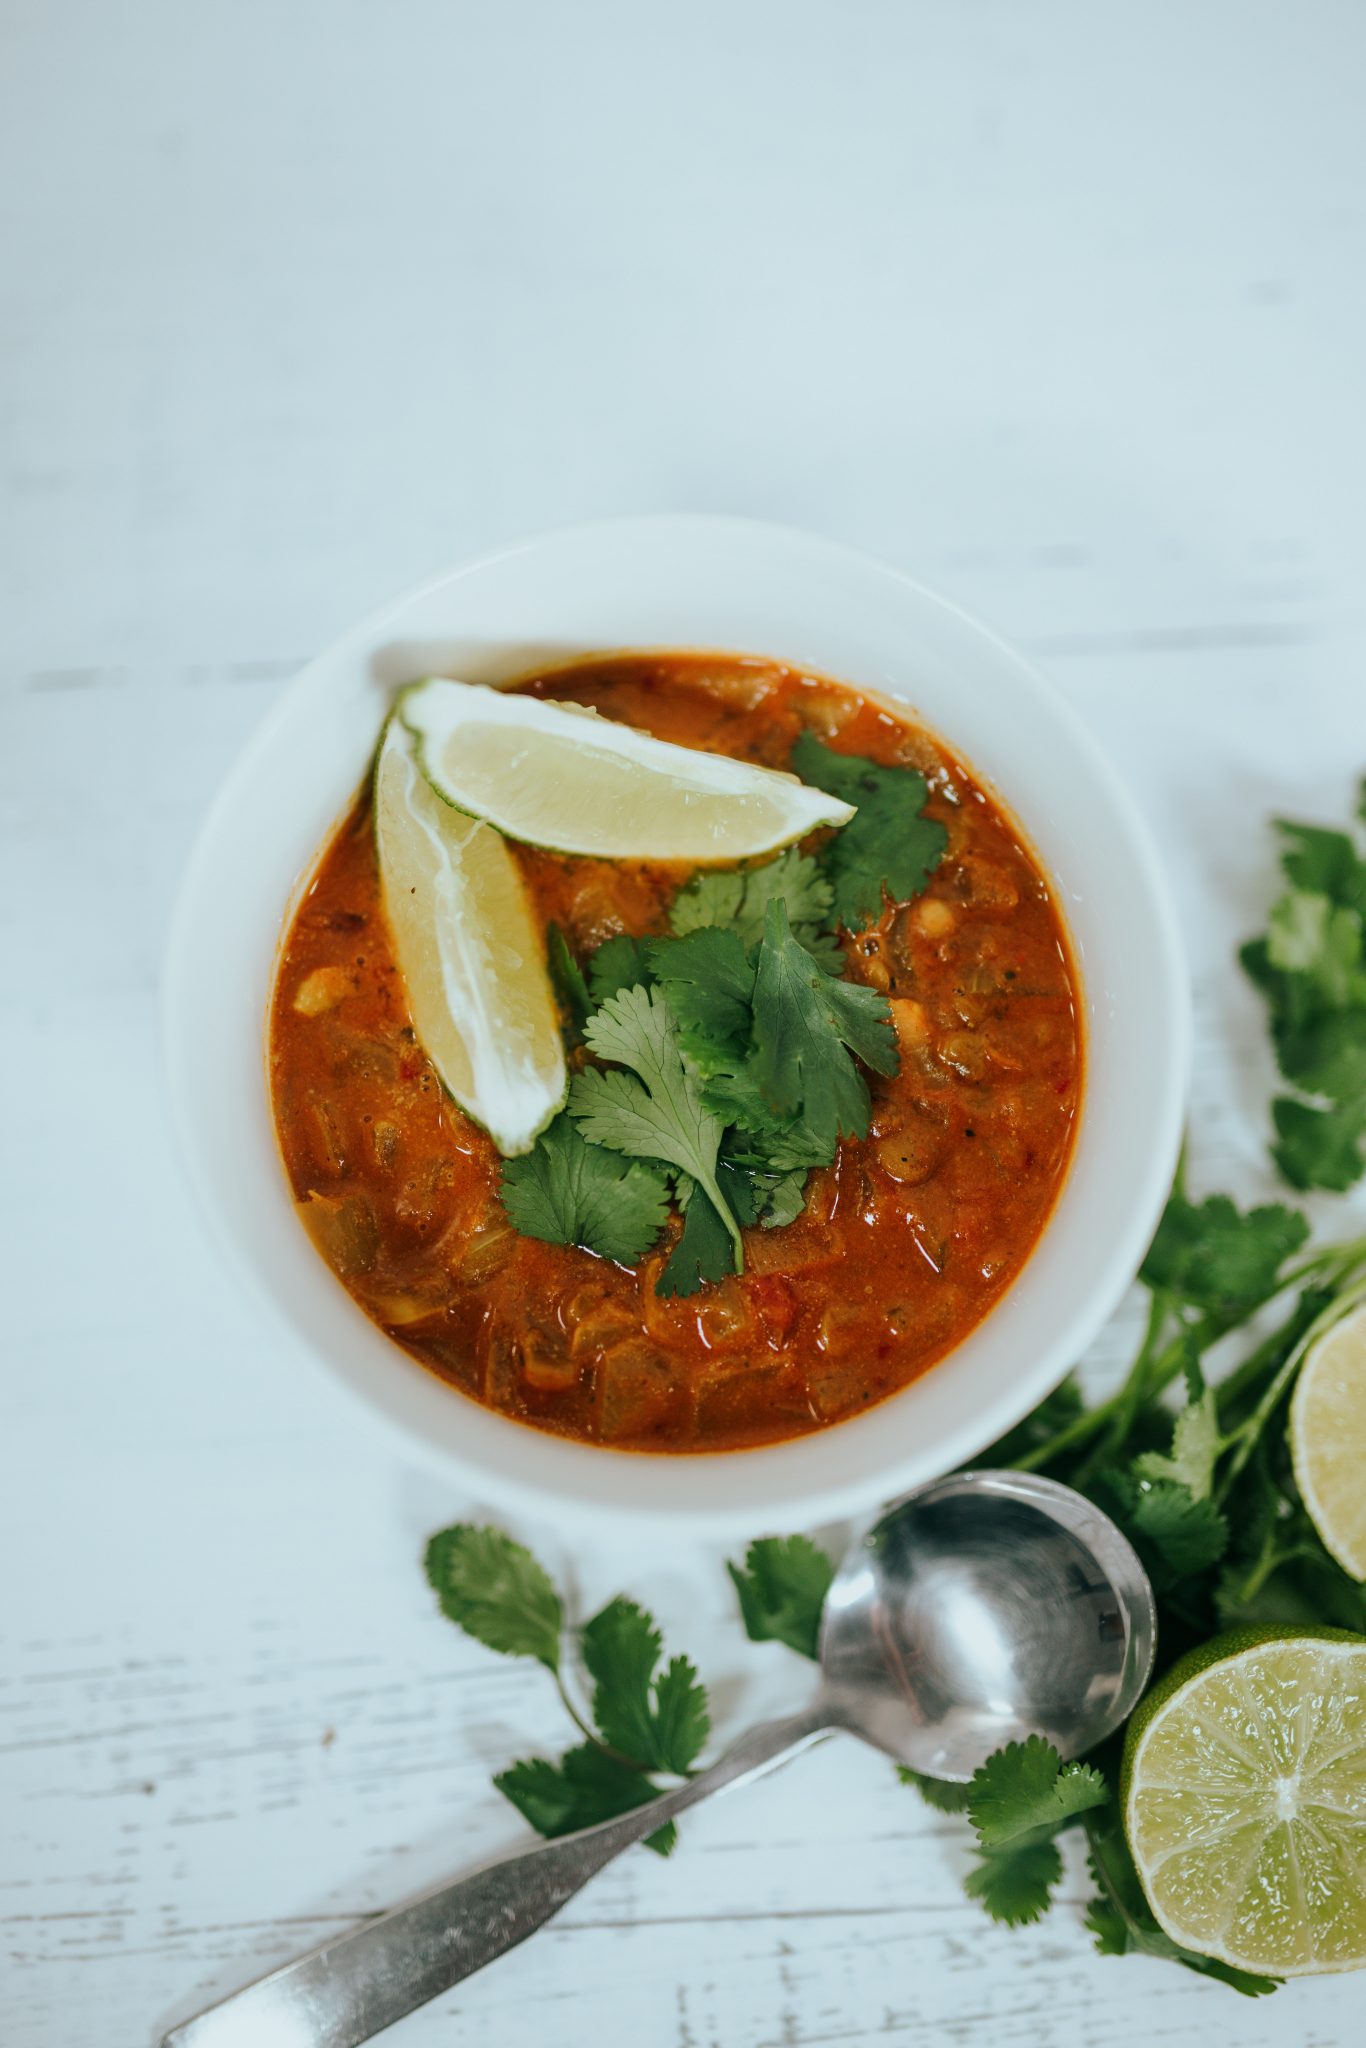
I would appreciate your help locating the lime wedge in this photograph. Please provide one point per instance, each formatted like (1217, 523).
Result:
(1328, 1439)
(1244, 1792)
(469, 953)
(559, 775)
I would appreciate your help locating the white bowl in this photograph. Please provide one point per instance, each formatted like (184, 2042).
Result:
(708, 583)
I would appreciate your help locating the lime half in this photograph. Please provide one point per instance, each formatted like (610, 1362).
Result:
(1245, 1801)
(469, 952)
(559, 775)
(1328, 1439)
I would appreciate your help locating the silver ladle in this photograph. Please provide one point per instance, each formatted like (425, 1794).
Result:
(982, 1608)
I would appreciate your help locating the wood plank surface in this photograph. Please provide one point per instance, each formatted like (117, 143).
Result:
(1062, 309)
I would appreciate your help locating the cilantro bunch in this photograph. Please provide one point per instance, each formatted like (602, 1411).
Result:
(1206, 1494)
(1203, 1486)
(1310, 965)
(728, 1056)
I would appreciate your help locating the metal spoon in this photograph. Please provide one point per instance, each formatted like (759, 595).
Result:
(981, 1608)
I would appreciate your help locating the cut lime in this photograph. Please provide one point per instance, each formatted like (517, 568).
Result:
(469, 952)
(1244, 1793)
(1328, 1438)
(559, 775)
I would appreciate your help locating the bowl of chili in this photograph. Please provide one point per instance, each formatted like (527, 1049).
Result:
(946, 1269)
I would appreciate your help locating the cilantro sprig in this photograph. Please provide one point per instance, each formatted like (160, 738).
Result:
(655, 1110)
(801, 1074)
(1310, 966)
(1019, 1802)
(728, 1055)
(645, 1720)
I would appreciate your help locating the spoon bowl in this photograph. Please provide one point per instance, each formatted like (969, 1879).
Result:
(980, 1609)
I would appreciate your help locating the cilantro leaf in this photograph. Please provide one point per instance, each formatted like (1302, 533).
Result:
(1311, 968)
(655, 1111)
(567, 1192)
(713, 896)
(704, 1253)
(739, 898)
(1188, 1535)
(1176, 1535)
(786, 1198)
(806, 1026)
(496, 1591)
(1325, 1054)
(1018, 1801)
(1195, 1446)
(764, 1176)
(621, 1648)
(745, 1191)
(1309, 935)
(658, 1719)
(1318, 1148)
(1104, 1921)
(617, 964)
(1291, 998)
(888, 847)
(763, 1141)
(1218, 1260)
(707, 981)
(682, 1716)
(566, 976)
(782, 1587)
(940, 1793)
(585, 1787)
(1015, 1885)
(1323, 862)
(1025, 1787)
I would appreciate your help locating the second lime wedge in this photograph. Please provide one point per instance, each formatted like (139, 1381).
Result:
(469, 952)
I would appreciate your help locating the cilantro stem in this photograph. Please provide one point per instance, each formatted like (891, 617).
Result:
(1099, 1829)
(1151, 1374)
(577, 1718)
(1245, 1376)
(1078, 1432)
(1130, 1396)
(1333, 1266)
(1269, 1561)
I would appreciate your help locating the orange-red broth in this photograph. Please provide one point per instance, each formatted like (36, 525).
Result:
(906, 1240)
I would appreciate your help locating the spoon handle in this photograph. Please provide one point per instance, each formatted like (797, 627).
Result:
(349, 1989)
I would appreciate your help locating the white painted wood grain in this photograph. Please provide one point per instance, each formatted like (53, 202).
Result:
(1060, 307)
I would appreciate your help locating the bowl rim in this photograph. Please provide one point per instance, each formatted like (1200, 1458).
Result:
(542, 1473)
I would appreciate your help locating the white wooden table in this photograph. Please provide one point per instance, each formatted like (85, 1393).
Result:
(1061, 307)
